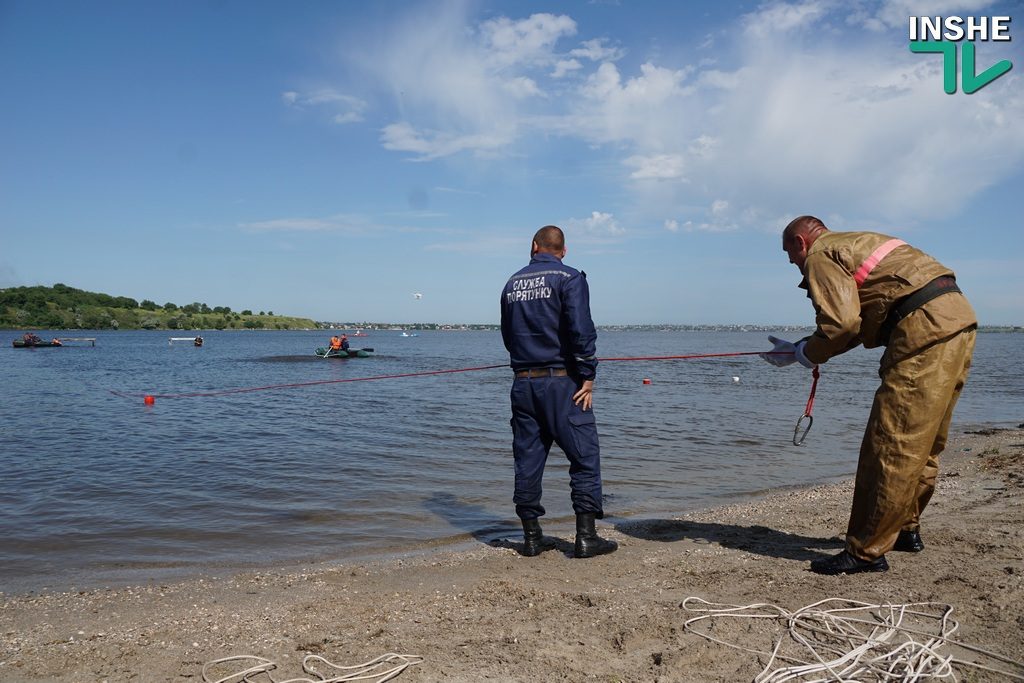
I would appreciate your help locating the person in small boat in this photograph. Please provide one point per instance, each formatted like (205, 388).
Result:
(335, 343)
(31, 339)
(198, 341)
(56, 342)
(344, 342)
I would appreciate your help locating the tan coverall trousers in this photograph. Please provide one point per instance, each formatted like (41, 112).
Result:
(906, 432)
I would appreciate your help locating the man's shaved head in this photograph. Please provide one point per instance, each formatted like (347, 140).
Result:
(550, 239)
(807, 226)
(798, 237)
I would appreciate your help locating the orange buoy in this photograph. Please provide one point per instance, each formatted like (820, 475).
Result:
(647, 380)
(149, 400)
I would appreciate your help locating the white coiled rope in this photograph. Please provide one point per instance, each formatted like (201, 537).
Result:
(847, 640)
(257, 669)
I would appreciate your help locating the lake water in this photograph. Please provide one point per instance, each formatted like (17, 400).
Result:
(99, 488)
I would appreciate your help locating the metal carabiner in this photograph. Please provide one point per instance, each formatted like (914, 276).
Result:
(798, 438)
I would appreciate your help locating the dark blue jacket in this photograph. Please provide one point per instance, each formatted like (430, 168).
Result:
(545, 318)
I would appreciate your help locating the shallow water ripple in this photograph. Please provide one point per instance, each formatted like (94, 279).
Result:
(100, 488)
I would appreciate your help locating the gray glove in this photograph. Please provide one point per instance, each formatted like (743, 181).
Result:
(799, 355)
(782, 355)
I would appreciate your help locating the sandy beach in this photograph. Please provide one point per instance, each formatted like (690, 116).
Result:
(487, 613)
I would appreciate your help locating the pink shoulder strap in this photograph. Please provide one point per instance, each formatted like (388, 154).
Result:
(871, 261)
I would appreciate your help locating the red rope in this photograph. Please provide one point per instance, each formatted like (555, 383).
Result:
(293, 385)
(697, 355)
(814, 387)
(244, 390)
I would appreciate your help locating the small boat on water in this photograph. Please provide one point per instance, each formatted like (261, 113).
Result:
(31, 341)
(196, 341)
(406, 334)
(31, 344)
(325, 352)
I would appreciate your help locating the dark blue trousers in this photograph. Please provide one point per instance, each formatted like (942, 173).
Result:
(542, 413)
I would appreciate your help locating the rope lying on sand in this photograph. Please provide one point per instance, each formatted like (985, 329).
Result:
(378, 670)
(847, 640)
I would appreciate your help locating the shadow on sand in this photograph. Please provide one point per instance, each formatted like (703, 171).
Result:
(478, 523)
(753, 539)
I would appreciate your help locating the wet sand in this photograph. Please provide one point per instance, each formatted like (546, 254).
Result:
(488, 613)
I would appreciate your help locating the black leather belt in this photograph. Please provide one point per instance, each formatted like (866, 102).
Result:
(533, 373)
(945, 284)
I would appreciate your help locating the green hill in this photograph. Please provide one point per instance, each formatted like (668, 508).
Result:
(61, 307)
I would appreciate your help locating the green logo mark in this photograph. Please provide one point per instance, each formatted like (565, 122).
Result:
(972, 81)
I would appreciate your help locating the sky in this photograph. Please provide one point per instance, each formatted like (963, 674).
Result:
(332, 159)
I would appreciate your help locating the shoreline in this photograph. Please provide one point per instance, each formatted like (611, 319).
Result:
(487, 612)
(123, 575)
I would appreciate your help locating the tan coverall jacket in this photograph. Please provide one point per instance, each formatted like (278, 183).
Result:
(923, 371)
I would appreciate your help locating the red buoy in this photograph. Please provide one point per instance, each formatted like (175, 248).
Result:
(149, 400)
(647, 380)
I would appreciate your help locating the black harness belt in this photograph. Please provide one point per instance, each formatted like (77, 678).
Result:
(945, 284)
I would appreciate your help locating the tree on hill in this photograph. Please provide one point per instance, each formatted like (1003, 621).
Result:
(62, 307)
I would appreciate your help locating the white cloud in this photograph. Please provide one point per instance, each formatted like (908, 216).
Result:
(862, 132)
(337, 223)
(564, 67)
(462, 88)
(591, 50)
(348, 109)
(480, 244)
(347, 117)
(896, 13)
(703, 147)
(782, 17)
(595, 51)
(645, 109)
(720, 79)
(522, 87)
(599, 226)
(654, 85)
(527, 41)
(672, 225)
(431, 144)
(780, 122)
(288, 225)
(455, 190)
(857, 128)
(718, 217)
(658, 167)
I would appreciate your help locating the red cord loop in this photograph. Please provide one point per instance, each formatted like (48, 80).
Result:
(798, 436)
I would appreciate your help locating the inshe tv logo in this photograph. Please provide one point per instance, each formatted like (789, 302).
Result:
(938, 34)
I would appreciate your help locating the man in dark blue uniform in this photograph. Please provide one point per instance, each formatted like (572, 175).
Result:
(551, 340)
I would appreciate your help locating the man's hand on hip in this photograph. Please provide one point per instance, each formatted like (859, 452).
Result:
(585, 396)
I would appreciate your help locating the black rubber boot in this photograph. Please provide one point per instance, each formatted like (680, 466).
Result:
(909, 542)
(845, 563)
(534, 542)
(588, 543)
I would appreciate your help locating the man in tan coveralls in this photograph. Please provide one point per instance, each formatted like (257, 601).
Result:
(874, 290)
